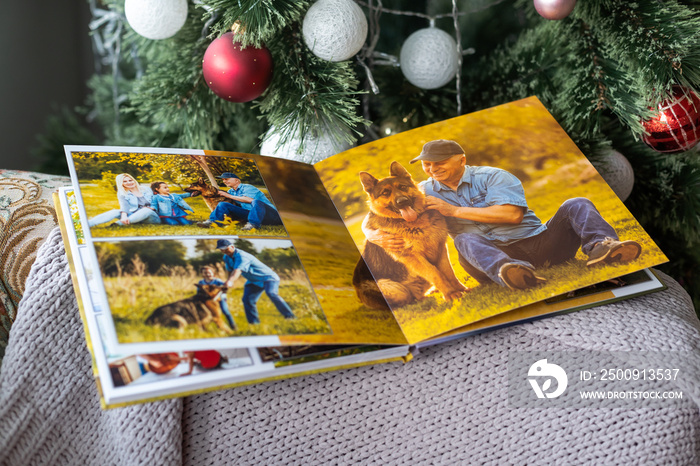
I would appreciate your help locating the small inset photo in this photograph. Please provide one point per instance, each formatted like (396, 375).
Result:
(140, 194)
(139, 369)
(168, 290)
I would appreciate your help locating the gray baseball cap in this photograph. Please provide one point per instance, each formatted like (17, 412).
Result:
(439, 150)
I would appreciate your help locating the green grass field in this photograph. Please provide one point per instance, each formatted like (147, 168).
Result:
(133, 298)
(98, 200)
(433, 315)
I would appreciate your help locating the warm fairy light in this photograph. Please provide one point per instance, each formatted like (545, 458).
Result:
(662, 116)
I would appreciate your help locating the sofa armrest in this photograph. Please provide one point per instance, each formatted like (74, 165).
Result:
(27, 215)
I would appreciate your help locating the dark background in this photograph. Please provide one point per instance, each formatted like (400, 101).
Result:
(45, 61)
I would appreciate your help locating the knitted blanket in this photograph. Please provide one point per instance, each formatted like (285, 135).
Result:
(449, 405)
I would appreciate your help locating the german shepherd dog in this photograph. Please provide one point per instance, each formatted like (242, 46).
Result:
(199, 309)
(397, 206)
(209, 193)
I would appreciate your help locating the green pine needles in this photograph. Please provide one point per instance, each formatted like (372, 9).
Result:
(599, 71)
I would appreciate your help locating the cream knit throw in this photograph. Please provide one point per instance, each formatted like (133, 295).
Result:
(449, 405)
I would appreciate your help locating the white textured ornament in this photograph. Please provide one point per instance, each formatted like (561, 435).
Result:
(617, 171)
(335, 30)
(316, 147)
(429, 58)
(156, 19)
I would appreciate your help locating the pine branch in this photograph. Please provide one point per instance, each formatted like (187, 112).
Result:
(308, 94)
(589, 84)
(518, 70)
(655, 43)
(262, 19)
(165, 100)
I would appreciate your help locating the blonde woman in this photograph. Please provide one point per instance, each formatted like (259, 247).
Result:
(134, 204)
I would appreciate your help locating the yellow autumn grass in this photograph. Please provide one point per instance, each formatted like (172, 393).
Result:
(132, 297)
(520, 137)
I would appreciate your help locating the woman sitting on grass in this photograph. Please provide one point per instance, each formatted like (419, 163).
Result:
(134, 204)
(170, 207)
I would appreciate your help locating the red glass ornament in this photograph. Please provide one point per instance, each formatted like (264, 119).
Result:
(676, 128)
(235, 74)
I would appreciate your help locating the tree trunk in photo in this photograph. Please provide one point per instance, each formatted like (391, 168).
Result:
(201, 161)
(211, 199)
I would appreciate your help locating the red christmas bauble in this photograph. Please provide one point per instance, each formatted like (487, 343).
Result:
(676, 128)
(236, 74)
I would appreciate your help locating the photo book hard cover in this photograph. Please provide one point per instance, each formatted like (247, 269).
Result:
(197, 270)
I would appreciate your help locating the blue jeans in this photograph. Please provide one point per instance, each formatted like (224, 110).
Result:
(251, 295)
(224, 310)
(142, 215)
(175, 221)
(577, 224)
(260, 213)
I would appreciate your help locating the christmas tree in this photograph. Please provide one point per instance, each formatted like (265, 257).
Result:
(316, 77)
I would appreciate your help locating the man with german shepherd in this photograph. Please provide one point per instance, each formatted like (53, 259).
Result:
(499, 239)
(249, 205)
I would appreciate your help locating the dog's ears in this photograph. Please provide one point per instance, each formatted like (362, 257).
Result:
(398, 170)
(368, 181)
(200, 180)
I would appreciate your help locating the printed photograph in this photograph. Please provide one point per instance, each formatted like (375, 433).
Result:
(140, 369)
(141, 194)
(329, 255)
(471, 217)
(292, 355)
(162, 290)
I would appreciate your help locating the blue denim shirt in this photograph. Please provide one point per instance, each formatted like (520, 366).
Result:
(216, 282)
(251, 191)
(129, 203)
(251, 268)
(164, 204)
(484, 187)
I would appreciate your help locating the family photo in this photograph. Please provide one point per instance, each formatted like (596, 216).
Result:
(161, 290)
(137, 194)
(480, 214)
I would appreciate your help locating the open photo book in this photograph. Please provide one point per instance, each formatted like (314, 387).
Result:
(197, 270)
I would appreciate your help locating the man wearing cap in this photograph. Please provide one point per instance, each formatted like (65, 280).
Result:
(499, 239)
(252, 206)
(259, 277)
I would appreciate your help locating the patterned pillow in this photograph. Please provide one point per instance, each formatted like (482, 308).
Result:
(27, 215)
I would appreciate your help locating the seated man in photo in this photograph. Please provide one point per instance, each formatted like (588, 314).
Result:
(251, 205)
(499, 239)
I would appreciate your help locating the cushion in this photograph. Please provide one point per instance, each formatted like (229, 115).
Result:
(27, 215)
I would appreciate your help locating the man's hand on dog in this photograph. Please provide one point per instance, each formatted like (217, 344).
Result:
(387, 241)
(445, 208)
